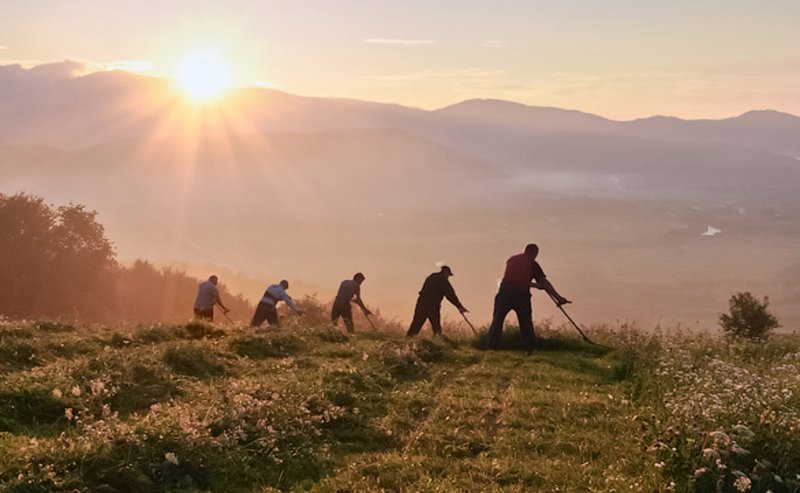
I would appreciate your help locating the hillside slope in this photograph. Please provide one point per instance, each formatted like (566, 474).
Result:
(192, 407)
(219, 408)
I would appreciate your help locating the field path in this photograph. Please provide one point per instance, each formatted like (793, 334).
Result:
(552, 421)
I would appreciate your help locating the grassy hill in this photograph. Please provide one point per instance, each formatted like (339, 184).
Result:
(219, 408)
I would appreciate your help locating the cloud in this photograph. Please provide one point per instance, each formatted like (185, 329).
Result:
(399, 42)
(494, 43)
(131, 65)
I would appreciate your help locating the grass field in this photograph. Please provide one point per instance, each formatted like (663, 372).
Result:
(210, 408)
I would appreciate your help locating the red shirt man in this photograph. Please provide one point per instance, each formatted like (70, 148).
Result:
(522, 273)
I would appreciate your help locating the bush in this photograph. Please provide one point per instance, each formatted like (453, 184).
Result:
(748, 317)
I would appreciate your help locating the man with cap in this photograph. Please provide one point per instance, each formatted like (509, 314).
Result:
(266, 309)
(207, 297)
(429, 304)
(349, 290)
(522, 273)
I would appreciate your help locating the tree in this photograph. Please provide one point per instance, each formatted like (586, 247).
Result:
(54, 262)
(748, 317)
(150, 295)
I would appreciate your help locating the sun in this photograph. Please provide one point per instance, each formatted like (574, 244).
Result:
(204, 76)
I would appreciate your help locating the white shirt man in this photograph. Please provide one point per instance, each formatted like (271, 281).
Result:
(266, 309)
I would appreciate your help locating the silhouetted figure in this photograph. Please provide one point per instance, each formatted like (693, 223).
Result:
(267, 307)
(207, 297)
(349, 290)
(514, 294)
(429, 304)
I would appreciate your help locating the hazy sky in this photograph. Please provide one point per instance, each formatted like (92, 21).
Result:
(618, 58)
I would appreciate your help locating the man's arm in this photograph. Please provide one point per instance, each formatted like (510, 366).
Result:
(218, 301)
(290, 303)
(544, 284)
(450, 294)
(357, 301)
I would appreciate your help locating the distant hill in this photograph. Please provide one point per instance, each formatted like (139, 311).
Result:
(47, 106)
(278, 185)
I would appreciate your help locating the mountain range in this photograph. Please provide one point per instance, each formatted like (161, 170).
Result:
(277, 185)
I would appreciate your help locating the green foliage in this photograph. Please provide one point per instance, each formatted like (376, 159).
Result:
(332, 335)
(155, 334)
(70, 348)
(141, 387)
(29, 408)
(403, 361)
(261, 347)
(17, 354)
(200, 330)
(748, 317)
(193, 361)
(51, 326)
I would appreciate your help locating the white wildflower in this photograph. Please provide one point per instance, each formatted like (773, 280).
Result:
(97, 386)
(76, 391)
(171, 458)
(57, 393)
(742, 483)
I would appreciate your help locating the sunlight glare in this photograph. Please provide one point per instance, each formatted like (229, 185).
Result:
(204, 76)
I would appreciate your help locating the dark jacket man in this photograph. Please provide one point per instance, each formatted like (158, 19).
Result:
(522, 273)
(349, 290)
(429, 304)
